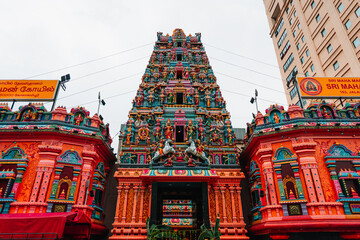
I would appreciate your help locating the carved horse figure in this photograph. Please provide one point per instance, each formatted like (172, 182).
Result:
(167, 149)
(192, 150)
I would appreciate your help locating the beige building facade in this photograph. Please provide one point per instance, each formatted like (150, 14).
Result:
(315, 38)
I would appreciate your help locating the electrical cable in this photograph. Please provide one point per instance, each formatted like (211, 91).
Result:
(264, 74)
(106, 69)
(89, 61)
(82, 104)
(271, 101)
(101, 85)
(236, 54)
(242, 80)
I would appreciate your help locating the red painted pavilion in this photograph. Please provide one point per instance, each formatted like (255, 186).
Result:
(179, 169)
(304, 172)
(53, 171)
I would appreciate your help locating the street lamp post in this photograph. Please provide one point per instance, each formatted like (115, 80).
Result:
(296, 84)
(252, 100)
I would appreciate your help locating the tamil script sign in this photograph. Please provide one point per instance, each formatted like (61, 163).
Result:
(34, 90)
(329, 87)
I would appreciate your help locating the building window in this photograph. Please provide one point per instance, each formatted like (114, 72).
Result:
(291, 3)
(312, 67)
(298, 46)
(357, 12)
(340, 7)
(288, 62)
(303, 39)
(317, 18)
(329, 48)
(307, 52)
(298, 103)
(348, 24)
(279, 27)
(336, 65)
(313, 4)
(291, 74)
(302, 60)
(294, 33)
(295, 14)
(323, 32)
(285, 49)
(299, 26)
(293, 92)
(282, 38)
(356, 42)
(306, 74)
(287, 10)
(291, 21)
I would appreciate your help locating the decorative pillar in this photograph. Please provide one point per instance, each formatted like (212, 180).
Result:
(136, 189)
(309, 184)
(126, 188)
(150, 194)
(118, 204)
(331, 164)
(232, 188)
(142, 192)
(48, 152)
(89, 157)
(317, 183)
(238, 195)
(268, 172)
(264, 154)
(305, 149)
(216, 188)
(222, 191)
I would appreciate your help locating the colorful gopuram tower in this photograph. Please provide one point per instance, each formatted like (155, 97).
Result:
(179, 167)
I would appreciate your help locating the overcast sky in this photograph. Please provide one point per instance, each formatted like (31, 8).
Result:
(39, 37)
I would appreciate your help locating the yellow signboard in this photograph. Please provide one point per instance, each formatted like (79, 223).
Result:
(329, 87)
(38, 90)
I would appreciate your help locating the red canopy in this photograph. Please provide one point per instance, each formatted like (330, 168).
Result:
(43, 225)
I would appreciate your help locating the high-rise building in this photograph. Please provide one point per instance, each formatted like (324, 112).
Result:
(178, 172)
(314, 38)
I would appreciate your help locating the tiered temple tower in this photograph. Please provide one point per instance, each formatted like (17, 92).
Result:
(179, 167)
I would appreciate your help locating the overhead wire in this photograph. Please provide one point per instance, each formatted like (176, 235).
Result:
(124, 93)
(101, 85)
(242, 80)
(89, 61)
(263, 99)
(248, 69)
(106, 69)
(239, 55)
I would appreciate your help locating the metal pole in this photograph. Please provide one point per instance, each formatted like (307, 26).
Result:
(56, 95)
(298, 92)
(12, 105)
(98, 104)
(256, 94)
(257, 108)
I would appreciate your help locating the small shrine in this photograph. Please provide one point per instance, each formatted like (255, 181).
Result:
(179, 171)
(304, 172)
(53, 172)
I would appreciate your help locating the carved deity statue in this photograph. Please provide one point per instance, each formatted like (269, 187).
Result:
(190, 130)
(168, 130)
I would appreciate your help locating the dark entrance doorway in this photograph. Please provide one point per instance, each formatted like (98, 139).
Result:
(179, 74)
(179, 136)
(190, 193)
(179, 98)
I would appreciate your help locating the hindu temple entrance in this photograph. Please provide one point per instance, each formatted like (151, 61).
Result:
(180, 205)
